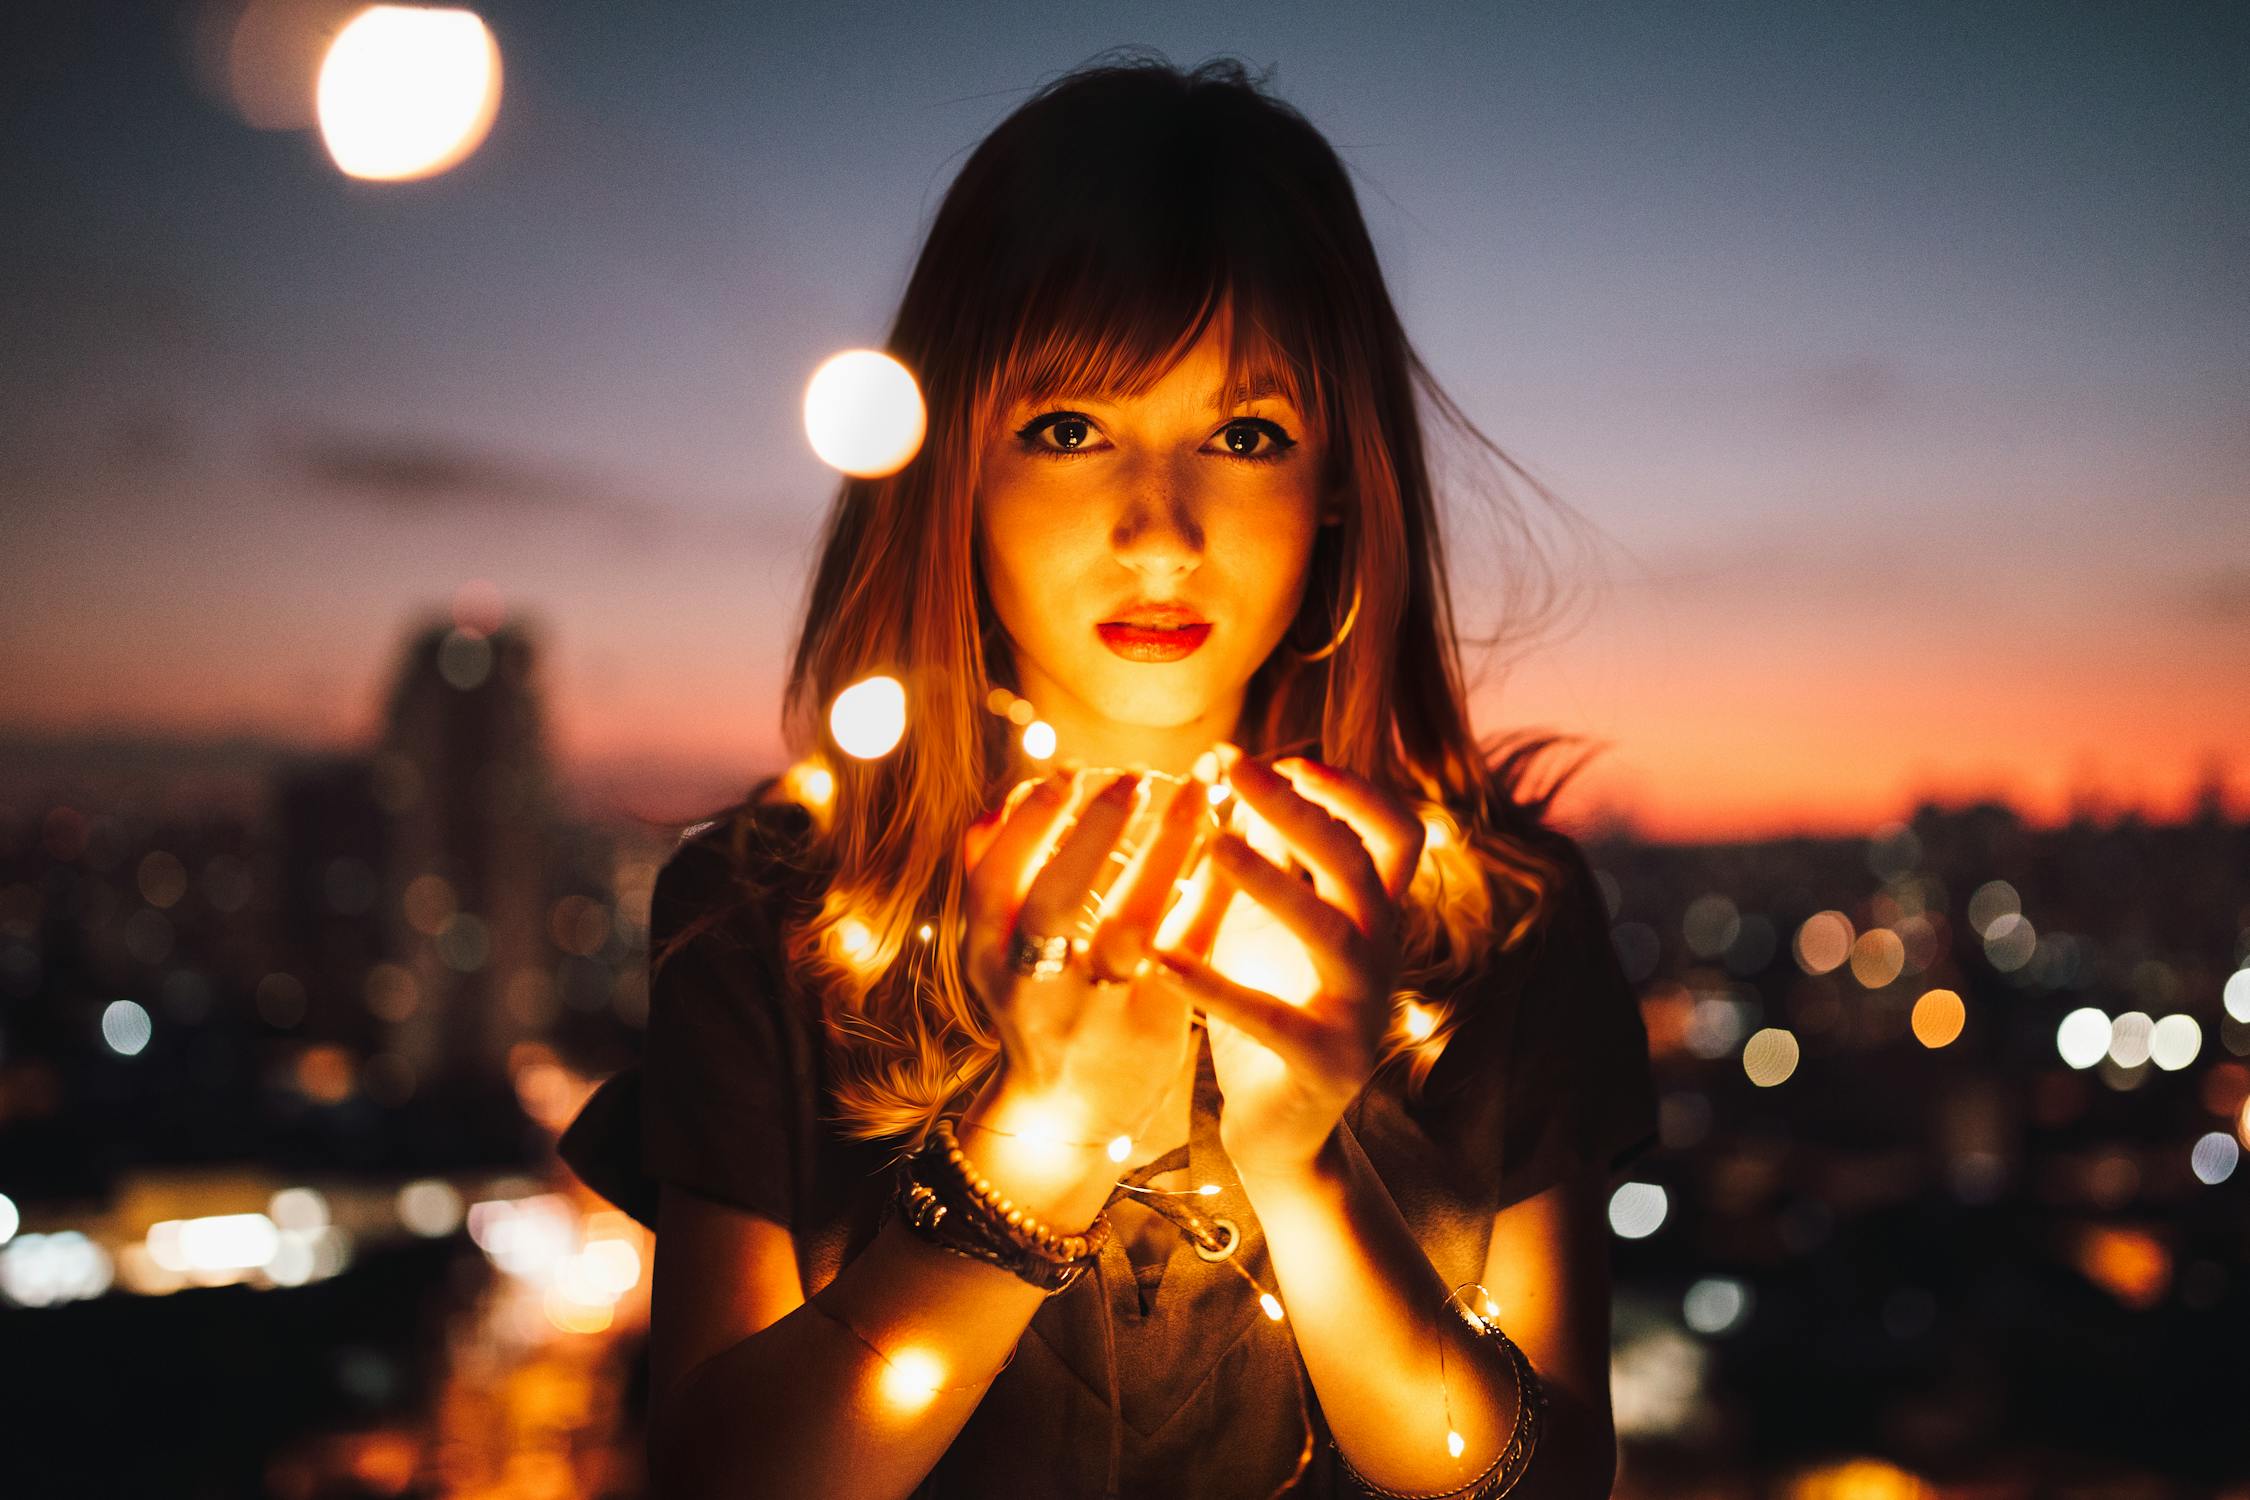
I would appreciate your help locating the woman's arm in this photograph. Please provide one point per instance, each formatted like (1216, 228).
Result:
(757, 1393)
(1367, 1308)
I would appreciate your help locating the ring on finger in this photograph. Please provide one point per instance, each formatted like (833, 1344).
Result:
(1037, 957)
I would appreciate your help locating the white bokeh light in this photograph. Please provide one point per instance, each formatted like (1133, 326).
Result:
(2083, 1037)
(864, 414)
(408, 91)
(869, 717)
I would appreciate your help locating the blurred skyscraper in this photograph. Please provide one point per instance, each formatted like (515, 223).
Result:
(462, 770)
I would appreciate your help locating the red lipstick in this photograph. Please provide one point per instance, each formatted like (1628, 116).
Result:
(1154, 632)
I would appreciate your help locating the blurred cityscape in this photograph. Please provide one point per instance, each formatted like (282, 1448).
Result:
(1948, 1201)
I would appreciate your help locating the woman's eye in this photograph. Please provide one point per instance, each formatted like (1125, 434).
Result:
(1241, 438)
(1072, 433)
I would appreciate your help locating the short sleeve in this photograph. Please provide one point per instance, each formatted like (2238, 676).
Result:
(717, 1102)
(1579, 1092)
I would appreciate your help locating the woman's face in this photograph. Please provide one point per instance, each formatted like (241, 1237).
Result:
(1146, 554)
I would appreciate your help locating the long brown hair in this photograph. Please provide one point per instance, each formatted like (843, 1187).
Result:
(1086, 243)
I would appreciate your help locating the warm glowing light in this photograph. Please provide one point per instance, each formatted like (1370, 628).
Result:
(1206, 767)
(1770, 1056)
(911, 1378)
(1453, 1443)
(2131, 1264)
(869, 718)
(1208, 1190)
(1878, 957)
(1252, 947)
(1120, 1148)
(1271, 1304)
(10, 1219)
(1436, 831)
(1419, 1021)
(1217, 792)
(2083, 1037)
(1039, 739)
(1938, 1018)
(407, 91)
(925, 932)
(222, 1242)
(810, 785)
(856, 939)
(864, 414)
(1824, 941)
(1491, 1310)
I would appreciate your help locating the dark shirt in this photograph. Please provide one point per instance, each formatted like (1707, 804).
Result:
(1547, 1075)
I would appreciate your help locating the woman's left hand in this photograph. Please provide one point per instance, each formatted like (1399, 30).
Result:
(1288, 1071)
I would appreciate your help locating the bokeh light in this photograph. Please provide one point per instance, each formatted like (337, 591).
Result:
(2174, 1041)
(1039, 739)
(126, 1027)
(869, 718)
(1716, 1305)
(2083, 1037)
(1770, 1056)
(2214, 1158)
(864, 414)
(1637, 1209)
(1824, 941)
(408, 91)
(1938, 1018)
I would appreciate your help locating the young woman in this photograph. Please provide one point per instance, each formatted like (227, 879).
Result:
(975, 1167)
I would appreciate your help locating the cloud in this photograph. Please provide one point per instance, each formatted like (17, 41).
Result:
(429, 476)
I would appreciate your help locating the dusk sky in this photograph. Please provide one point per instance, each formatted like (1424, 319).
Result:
(1900, 354)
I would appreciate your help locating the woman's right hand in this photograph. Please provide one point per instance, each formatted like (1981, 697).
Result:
(1090, 1051)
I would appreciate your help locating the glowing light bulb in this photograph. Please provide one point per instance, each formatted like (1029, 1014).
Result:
(820, 785)
(911, 1378)
(857, 940)
(1420, 1022)
(1271, 1304)
(1039, 739)
(1435, 833)
(869, 718)
(1208, 1190)
(1121, 1148)
(925, 932)
(864, 414)
(1217, 792)
(1453, 1442)
(407, 91)
(1491, 1310)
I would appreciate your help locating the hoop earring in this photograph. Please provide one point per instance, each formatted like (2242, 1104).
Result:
(1351, 618)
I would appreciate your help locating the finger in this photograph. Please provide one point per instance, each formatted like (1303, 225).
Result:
(1136, 905)
(1284, 1028)
(1391, 832)
(1332, 849)
(1328, 935)
(998, 879)
(1057, 899)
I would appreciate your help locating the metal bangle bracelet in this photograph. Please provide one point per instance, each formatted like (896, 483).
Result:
(1037, 957)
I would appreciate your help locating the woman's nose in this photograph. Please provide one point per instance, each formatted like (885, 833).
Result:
(1158, 536)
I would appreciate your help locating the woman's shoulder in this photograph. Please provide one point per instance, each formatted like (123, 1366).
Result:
(735, 872)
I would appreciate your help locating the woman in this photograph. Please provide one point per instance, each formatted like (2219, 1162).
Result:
(1175, 496)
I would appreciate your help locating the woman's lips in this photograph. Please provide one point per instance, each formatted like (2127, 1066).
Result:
(1153, 642)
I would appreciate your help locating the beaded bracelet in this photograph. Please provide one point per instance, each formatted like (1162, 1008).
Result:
(1508, 1466)
(946, 1201)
